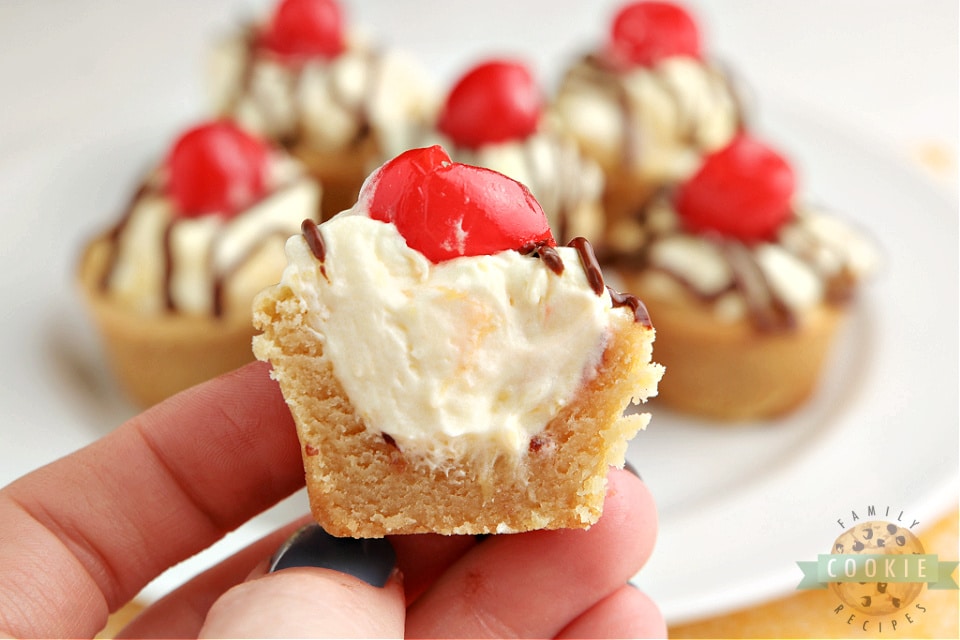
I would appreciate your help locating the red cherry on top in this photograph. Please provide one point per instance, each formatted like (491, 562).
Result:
(742, 191)
(216, 168)
(305, 29)
(644, 33)
(495, 101)
(445, 209)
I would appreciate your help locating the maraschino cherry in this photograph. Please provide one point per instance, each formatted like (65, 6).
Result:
(494, 102)
(305, 29)
(445, 209)
(644, 33)
(216, 167)
(742, 191)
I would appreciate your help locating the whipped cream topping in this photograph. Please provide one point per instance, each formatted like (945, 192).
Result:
(567, 185)
(815, 259)
(212, 264)
(651, 122)
(447, 358)
(326, 105)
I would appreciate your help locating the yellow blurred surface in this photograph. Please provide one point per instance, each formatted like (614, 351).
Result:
(810, 614)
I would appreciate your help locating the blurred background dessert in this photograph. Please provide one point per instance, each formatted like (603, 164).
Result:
(495, 116)
(647, 103)
(337, 100)
(171, 283)
(747, 283)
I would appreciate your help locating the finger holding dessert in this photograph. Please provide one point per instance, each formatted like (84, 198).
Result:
(170, 283)
(339, 103)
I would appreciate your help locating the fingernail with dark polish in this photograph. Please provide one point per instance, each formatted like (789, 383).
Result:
(632, 469)
(370, 559)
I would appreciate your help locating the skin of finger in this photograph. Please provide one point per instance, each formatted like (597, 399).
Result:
(307, 602)
(533, 584)
(181, 613)
(626, 613)
(83, 535)
(421, 559)
(425, 557)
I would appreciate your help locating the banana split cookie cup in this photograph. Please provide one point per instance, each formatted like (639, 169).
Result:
(339, 104)
(448, 367)
(495, 117)
(170, 284)
(747, 285)
(646, 105)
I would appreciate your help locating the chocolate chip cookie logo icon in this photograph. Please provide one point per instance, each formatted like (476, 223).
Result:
(878, 570)
(885, 541)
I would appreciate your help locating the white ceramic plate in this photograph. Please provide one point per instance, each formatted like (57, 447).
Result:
(739, 505)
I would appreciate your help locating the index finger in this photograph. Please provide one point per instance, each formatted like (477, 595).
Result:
(83, 535)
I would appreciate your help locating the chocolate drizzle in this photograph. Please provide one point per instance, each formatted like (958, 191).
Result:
(769, 312)
(311, 233)
(640, 313)
(590, 265)
(168, 301)
(116, 231)
(547, 253)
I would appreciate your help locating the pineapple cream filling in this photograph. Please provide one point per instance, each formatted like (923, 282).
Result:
(444, 358)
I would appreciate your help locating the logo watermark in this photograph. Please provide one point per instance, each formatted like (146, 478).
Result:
(878, 570)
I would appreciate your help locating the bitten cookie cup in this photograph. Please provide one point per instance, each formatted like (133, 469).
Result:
(448, 372)
(362, 484)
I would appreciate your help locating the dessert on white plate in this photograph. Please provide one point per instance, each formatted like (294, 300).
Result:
(337, 101)
(747, 283)
(170, 283)
(647, 104)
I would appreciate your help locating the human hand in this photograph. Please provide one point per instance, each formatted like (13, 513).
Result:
(82, 536)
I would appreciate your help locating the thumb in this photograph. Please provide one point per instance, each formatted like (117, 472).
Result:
(318, 586)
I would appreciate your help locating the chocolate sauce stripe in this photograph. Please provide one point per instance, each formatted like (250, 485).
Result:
(767, 309)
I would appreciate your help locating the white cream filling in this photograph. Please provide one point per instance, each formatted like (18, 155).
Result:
(474, 351)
